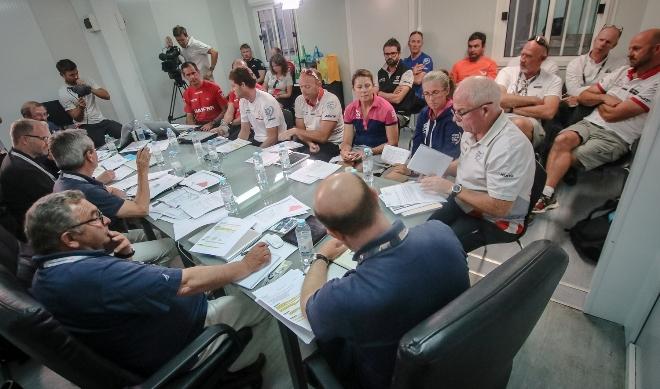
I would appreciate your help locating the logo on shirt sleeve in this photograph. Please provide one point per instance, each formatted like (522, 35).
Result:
(269, 113)
(426, 61)
(165, 276)
(455, 138)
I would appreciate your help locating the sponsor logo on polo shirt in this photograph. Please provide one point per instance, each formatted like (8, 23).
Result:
(426, 61)
(269, 110)
(478, 155)
(505, 175)
(165, 276)
(455, 138)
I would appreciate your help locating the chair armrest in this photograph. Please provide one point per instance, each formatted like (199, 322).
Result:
(319, 372)
(187, 357)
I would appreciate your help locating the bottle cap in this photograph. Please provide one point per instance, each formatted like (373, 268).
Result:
(301, 221)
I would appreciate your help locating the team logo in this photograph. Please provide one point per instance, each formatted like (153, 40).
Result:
(269, 112)
(478, 155)
(165, 276)
(455, 138)
(425, 129)
(426, 61)
(331, 105)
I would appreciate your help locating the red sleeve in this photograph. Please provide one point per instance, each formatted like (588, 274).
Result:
(492, 70)
(219, 98)
(349, 114)
(390, 116)
(186, 102)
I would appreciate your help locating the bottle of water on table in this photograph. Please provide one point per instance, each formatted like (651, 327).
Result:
(368, 166)
(139, 131)
(173, 148)
(215, 159)
(284, 157)
(228, 196)
(110, 144)
(260, 170)
(199, 149)
(305, 243)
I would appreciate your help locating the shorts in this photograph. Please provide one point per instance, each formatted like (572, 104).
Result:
(538, 134)
(598, 145)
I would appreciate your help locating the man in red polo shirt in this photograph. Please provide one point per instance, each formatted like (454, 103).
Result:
(204, 103)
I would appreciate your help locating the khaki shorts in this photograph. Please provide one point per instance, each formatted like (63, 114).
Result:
(598, 145)
(538, 134)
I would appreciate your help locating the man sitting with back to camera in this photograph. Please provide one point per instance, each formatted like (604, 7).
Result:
(359, 319)
(138, 316)
(75, 155)
(319, 118)
(204, 103)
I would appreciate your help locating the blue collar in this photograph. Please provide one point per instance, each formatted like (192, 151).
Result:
(41, 259)
(71, 175)
(390, 239)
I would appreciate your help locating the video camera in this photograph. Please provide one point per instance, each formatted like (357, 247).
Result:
(81, 90)
(171, 64)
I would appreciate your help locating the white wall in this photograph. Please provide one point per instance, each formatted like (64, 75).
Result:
(651, 17)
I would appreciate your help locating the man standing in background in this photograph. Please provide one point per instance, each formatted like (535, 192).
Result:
(196, 51)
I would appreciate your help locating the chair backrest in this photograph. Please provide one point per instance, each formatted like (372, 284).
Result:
(471, 342)
(57, 114)
(30, 327)
(288, 118)
(8, 250)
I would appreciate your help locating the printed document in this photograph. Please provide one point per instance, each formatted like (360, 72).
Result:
(429, 161)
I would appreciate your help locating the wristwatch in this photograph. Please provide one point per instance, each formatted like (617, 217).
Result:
(125, 256)
(456, 189)
(322, 257)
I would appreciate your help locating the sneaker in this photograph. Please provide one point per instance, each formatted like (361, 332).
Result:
(545, 203)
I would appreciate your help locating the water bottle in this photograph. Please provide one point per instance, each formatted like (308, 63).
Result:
(228, 196)
(139, 131)
(147, 117)
(173, 148)
(199, 149)
(178, 168)
(260, 170)
(284, 157)
(214, 158)
(368, 166)
(305, 243)
(157, 154)
(110, 144)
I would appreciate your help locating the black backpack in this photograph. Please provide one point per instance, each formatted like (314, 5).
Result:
(589, 234)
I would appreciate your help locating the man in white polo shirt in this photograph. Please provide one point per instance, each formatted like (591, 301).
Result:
(529, 93)
(259, 109)
(196, 51)
(494, 174)
(319, 118)
(622, 99)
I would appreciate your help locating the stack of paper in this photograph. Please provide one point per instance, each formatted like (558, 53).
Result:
(282, 299)
(201, 180)
(232, 146)
(408, 197)
(133, 180)
(157, 186)
(113, 162)
(184, 227)
(313, 171)
(222, 237)
(429, 161)
(267, 216)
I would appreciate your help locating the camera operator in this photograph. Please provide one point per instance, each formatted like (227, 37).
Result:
(196, 51)
(203, 101)
(78, 98)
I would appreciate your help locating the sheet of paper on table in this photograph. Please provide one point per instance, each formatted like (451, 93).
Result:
(133, 180)
(268, 158)
(394, 155)
(201, 180)
(135, 146)
(282, 299)
(184, 227)
(133, 165)
(313, 171)
(202, 205)
(122, 172)
(222, 237)
(278, 255)
(345, 260)
(232, 146)
(413, 209)
(267, 216)
(103, 153)
(408, 193)
(180, 196)
(429, 161)
(162, 211)
(158, 185)
(289, 144)
(113, 162)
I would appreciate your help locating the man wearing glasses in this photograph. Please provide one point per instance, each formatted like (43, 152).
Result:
(138, 316)
(395, 79)
(319, 118)
(23, 177)
(529, 93)
(35, 110)
(494, 173)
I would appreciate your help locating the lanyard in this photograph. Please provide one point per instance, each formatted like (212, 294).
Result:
(31, 162)
(383, 246)
(522, 90)
(73, 177)
(584, 66)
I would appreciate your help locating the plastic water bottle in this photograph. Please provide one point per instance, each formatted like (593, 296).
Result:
(199, 149)
(368, 166)
(228, 196)
(305, 243)
(260, 170)
(157, 154)
(173, 148)
(284, 157)
(139, 131)
(147, 117)
(110, 144)
(215, 160)
(179, 171)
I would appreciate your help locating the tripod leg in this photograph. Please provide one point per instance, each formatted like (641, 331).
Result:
(170, 116)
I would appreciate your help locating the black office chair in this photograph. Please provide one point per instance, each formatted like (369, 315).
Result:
(289, 118)
(57, 114)
(471, 342)
(27, 325)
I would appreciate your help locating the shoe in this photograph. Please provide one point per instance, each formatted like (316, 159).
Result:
(545, 203)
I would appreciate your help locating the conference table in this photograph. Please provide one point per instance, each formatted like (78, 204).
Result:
(251, 198)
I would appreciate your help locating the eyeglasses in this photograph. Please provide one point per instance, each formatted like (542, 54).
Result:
(433, 93)
(99, 217)
(459, 115)
(43, 138)
(540, 39)
(309, 72)
(391, 54)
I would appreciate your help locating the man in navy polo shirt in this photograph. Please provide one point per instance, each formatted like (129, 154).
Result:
(419, 62)
(137, 315)
(402, 277)
(75, 155)
(395, 79)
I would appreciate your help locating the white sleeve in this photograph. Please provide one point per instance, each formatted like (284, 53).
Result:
(407, 79)
(504, 77)
(67, 100)
(299, 104)
(331, 110)
(554, 87)
(507, 168)
(270, 113)
(574, 77)
(242, 103)
(200, 47)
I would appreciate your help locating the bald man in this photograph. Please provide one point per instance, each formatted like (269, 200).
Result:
(529, 93)
(394, 268)
(622, 99)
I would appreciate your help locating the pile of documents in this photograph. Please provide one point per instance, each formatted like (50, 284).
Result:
(409, 198)
(233, 145)
(268, 216)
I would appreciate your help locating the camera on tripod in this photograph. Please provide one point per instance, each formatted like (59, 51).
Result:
(170, 64)
(81, 90)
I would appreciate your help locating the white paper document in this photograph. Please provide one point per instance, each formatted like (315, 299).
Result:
(220, 239)
(394, 155)
(277, 256)
(122, 172)
(184, 227)
(429, 161)
(201, 180)
(103, 154)
(314, 170)
(165, 212)
(268, 158)
(408, 193)
(289, 144)
(203, 205)
(157, 186)
(133, 165)
(232, 146)
(267, 216)
(135, 146)
(282, 299)
(161, 144)
(180, 196)
(114, 162)
(133, 180)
